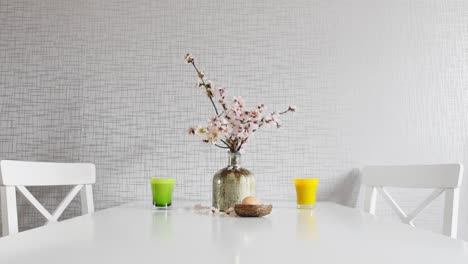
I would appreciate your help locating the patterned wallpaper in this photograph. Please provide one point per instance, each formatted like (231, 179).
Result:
(375, 82)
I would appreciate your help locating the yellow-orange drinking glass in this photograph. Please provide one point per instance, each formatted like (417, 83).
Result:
(306, 188)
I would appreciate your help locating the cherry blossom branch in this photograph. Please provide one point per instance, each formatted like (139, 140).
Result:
(242, 143)
(292, 108)
(224, 142)
(209, 93)
(216, 109)
(231, 145)
(233, 124)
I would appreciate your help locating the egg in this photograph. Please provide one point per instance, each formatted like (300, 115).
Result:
(251, 200)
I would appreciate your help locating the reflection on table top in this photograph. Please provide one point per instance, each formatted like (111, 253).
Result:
(137, 233)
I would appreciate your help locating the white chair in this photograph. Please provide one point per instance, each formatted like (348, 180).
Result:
(18, 174)
(443, 178)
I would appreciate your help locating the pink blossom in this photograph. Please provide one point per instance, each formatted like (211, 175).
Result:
(234, 123)
(261, 108)
(191, 131)
(199, 83)
(275, 119)
(189, 58)
(209, 84)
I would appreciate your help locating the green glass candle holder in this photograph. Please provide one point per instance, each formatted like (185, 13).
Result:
(162, 191)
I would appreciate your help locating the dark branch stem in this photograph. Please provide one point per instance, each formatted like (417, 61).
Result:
(212, 102)
(224, 142)
(240, 146)
(206, 88)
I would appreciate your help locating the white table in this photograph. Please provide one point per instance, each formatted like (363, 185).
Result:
(136, 234)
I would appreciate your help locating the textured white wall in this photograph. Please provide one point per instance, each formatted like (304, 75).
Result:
(376, 82)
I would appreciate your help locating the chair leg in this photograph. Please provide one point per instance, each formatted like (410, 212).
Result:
(370, 199)
(9, 210)
(87, 203)
(451, 212)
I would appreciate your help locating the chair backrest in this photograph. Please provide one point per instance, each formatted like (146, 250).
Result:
(441, 177)
(18, 174)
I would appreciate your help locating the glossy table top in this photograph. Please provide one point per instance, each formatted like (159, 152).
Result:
(136, 233)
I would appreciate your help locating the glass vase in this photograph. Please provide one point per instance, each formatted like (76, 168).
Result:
(232, 184)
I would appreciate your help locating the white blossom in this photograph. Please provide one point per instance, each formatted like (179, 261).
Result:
(188, 58)
(234, 123)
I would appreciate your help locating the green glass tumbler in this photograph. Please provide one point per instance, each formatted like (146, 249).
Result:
(162, 191)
